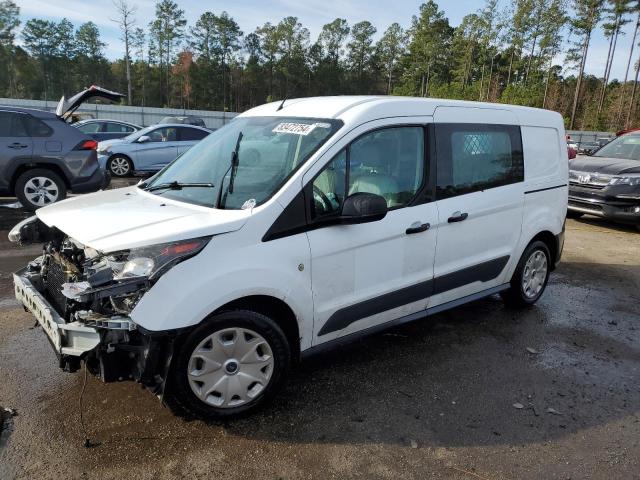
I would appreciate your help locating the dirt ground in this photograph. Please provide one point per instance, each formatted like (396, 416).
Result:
(433, 399)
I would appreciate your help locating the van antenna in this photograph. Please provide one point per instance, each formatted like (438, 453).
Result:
(282, 104)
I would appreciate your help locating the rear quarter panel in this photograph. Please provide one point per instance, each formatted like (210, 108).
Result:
(546, 180)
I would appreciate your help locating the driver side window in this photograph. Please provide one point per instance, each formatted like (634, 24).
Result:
(388, 162)
(329, 187)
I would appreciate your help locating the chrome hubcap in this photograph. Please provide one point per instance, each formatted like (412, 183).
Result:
(41, 191)
(534, 274)
(230, 367)
(119, 166)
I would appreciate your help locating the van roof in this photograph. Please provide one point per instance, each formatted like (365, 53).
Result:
(369, 107)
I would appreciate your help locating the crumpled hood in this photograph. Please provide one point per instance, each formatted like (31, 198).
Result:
(604, 165)
(128, 217)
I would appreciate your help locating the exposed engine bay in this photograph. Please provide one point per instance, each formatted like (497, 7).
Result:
(93, 294)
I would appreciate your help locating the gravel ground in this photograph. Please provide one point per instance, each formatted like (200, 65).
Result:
(479, 392)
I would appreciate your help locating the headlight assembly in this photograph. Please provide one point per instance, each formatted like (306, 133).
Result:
(155, 260)
(630, 179)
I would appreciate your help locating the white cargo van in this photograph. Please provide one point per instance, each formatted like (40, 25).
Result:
(299, 225)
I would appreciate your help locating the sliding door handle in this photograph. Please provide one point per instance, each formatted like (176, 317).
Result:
(418, 227)
(17, 145)
(457, 217)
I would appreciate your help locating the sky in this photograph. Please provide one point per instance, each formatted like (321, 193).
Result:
(313, 14)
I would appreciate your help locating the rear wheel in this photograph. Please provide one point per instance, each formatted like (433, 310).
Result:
(573, 214)
(229, 366)
(530, 278)
(120, 166)
(39, 187)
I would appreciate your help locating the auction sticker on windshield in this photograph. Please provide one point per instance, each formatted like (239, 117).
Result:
(297, 128)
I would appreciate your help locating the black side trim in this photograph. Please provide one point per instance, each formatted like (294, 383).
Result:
(399, 321)
(545, 189)
(482, 272)
(346, 316)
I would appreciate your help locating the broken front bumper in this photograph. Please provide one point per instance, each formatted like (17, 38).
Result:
(73, 339)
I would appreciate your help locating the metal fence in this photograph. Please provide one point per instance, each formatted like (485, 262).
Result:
(139, 115)
(589, 139)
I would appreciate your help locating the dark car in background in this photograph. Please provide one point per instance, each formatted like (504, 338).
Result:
(42, 156)
(106, 129)
(607, 183)
(184, 119)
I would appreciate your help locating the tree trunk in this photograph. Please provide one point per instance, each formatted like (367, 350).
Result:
(481, 84)
(533, 48)
(576, 96)
(626, 73)
(546, 84)
(513, 51)
(127, 60)
(633, 97)
(607, 68)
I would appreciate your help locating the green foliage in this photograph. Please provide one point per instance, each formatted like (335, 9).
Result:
(507, 52)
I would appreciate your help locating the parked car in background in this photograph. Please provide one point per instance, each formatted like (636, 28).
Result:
(106, 129)
(149, 149)
(607, 183)
(184, 119)
(42, 157)
(587, 148)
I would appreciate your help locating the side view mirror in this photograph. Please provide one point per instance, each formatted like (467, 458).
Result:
(143, 139)
(363, 207)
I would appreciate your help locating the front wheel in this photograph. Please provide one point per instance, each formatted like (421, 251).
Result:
(531, 276)
(120, 166)
(229, 366)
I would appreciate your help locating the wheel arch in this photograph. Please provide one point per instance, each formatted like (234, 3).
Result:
(125, 155)
(276, 309)
(25, 167)
(551, 241)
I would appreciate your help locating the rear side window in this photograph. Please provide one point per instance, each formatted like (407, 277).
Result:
(90, 127)
(37, 128)
(117, 128)
(474, 157)
(12, 125)
(187, 134)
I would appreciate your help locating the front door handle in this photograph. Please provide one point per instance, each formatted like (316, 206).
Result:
(418, 227)
(457, 217)
(18, 145)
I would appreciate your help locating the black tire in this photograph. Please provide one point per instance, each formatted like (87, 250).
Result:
(179, 394)
(574, 214)
(515, 296)
(120, 166)
(52, 188)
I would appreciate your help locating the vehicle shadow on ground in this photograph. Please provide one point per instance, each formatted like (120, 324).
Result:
(604, 223)
(478, 375)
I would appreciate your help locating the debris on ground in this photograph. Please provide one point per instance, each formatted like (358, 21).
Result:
(532, 351)
(519, 406)
(414, 444)
(553, 411)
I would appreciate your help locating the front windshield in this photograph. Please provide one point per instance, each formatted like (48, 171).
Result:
(626, 146)
(270, 151)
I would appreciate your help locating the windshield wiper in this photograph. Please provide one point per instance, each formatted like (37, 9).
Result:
(175, 185)
(233, 166)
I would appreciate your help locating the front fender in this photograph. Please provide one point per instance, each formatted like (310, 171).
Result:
(222, 273)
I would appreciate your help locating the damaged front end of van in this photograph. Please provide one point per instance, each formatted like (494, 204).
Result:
(83, 299)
